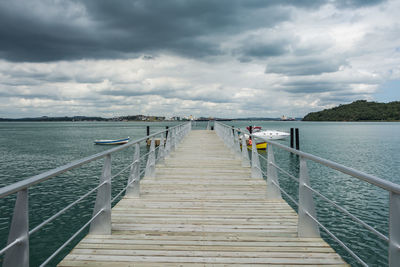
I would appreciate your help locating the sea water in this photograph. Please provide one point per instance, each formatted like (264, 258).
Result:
(30, 148)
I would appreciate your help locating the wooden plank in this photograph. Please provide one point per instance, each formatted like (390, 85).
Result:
(202, 209)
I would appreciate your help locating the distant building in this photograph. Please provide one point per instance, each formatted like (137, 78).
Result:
(285, 118)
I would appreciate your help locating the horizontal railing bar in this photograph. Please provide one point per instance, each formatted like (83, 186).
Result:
(261, 156)
(384, 184)
(370, 228)
(65, 209)
(281, 189)
(120, 192)
(337, 240)
(15, 242)
(13, 188)
(286, 194)
(142, 172)
(285, 172)
(70, 239)
(126, 187)
(124, 169)
(143, 156)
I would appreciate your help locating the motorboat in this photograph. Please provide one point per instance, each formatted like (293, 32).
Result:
(112, 142)
(266, 134)
(262, 135)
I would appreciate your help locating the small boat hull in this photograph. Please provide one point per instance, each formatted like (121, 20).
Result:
(112, 142)
(259, 146)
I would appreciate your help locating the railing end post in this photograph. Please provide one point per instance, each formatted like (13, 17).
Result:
(18, 255)
(394, 230)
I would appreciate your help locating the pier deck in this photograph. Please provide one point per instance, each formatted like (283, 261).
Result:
(202, 209)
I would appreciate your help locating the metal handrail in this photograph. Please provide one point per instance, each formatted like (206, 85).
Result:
(25, 184)
(367, 226)
(392, 188)
(18, 186)
(343, 245)
(384, 184)
(71, 238)
(55, 216)
(126, 187)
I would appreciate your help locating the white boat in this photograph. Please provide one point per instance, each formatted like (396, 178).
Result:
(271, 134)
(266, 134)
(112, 142)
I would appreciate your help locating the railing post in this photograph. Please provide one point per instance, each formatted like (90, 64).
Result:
(161, 150)
(173, 139)
(168, 144)
(245, 154)
(18, 255)
(394, 229)
(102, 224)
(273, 192)
(151, 161)
(133, 189)
(231, 141)
(255, 161)
(236, 143)
(307, 227)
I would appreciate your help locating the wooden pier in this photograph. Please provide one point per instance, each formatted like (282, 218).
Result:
(202, 209)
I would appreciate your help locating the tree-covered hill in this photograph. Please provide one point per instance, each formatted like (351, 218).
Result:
(360, 110)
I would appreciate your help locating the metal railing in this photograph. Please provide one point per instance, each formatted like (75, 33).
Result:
(308, 223)
(16, 252)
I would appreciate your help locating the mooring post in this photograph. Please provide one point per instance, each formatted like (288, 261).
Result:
(291, 137)
(297, 139)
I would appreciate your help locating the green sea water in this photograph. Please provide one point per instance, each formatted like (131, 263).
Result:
(28, 149)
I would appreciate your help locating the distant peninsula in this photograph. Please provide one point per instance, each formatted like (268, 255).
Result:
(360, 110)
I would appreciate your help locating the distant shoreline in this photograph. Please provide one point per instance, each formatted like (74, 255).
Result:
(136, 118)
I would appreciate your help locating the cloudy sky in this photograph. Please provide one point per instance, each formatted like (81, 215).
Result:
(225, 58)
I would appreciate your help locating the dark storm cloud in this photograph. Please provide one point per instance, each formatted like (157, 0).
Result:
(305, 65)
(29, 95)
(357, 3)
(120, 29)
(254, 47)
(307, 87)
(117, 29)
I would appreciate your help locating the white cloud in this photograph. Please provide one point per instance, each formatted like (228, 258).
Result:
(312, 59)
